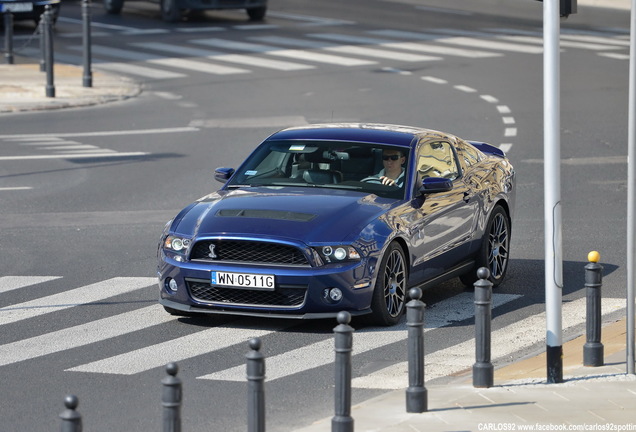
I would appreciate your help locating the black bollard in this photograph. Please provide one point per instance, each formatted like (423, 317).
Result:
(483, 370)
(342, 421)
(171, 399)
(416, 393)
(48, 50)
(593, 348)
(87, 77)
(8, 37)
(255, 387)
(71, 419)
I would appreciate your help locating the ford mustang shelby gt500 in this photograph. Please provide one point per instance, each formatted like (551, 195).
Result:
(325, 218)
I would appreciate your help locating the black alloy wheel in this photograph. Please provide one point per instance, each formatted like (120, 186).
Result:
(389, 295)
(495, 249)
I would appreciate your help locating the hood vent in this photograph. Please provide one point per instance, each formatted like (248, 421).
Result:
(267, 214)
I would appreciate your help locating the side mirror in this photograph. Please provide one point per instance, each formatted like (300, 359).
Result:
(436, 184)
(223, 174)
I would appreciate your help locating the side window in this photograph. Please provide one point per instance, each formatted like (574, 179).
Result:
(468, 154)
(437, 159)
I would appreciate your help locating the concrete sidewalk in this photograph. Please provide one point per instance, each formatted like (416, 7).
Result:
(23, 87)
(590, 398)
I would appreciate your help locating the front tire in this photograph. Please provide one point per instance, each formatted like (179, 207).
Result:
(389, 294)
(495, 249)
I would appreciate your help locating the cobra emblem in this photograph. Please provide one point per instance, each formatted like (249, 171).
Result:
(212, 254)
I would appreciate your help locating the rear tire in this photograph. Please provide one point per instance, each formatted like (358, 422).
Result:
(495, 249)
(113, 6)
(257, 13)
(389, 294)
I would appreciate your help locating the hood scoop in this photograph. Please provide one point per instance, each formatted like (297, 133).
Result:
(267, 214)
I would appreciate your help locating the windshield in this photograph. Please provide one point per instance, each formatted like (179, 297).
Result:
(330, 165)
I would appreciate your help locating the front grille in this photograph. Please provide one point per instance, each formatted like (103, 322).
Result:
(286, 296)
(248, 252)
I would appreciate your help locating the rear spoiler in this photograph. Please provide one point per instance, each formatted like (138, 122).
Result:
(487, 148)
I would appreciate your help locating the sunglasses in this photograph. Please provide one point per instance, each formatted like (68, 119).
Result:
(392, 157)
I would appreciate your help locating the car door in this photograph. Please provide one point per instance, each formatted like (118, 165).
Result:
(440, 224)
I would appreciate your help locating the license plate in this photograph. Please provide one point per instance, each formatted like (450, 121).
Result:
(242, 280)
(16, 7)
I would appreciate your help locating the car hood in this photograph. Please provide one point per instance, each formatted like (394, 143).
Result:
(308, 215)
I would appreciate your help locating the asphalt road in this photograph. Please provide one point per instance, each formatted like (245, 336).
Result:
(86, 221)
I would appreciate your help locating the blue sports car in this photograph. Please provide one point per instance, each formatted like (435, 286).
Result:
(325, 218)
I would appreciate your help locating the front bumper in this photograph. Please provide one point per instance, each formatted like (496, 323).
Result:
(299, 293)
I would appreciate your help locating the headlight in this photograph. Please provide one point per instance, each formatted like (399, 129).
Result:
(176, 244)
(340, 253)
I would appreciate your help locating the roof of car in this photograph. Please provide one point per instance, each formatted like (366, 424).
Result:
(355, 132)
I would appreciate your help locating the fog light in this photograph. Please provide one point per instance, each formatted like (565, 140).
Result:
(171, 284)
(335, 294)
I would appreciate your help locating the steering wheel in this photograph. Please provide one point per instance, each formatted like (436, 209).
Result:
(372, 179)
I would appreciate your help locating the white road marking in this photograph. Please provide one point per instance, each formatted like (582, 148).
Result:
(232, 58)
(436, 49)
(492, 45)
(84, 334)
(178, 63)
(135, 69)
(15, 188)
(562, 43)
(510, 132)
(75, 297)
(99, 133)
(102, 154)
(434, 80)
(380, 53)
(505, 147)
(454, 309)
(10, 283)
(178, 349)
(465, 88)
(272, 50)
(460, 357)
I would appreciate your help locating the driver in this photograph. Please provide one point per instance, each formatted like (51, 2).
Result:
(393, 173)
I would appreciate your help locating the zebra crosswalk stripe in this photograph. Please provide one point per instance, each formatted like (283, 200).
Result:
(492, 45)
(84, 334)
(219, 56)
(75, 297)
(318, 354)
(524, 333)
(177, 349)
(10, 283)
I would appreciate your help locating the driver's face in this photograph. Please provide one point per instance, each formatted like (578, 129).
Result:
(392, 160)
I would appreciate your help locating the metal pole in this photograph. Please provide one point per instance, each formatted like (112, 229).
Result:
(483, 370)
(48, 49)
(342, 421)
(171, 399)
(593, 348)
(552, 192)
(87, 78)
(416, 393)
(8, 37)
(631, 195)
(42, 43)
(255, 387)
(71, 419)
